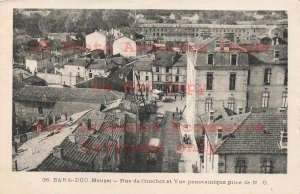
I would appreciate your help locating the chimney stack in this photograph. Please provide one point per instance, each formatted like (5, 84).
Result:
(57, 152)
(72, 138)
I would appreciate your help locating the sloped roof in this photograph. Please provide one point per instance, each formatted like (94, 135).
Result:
(123, 104)
(265, 54)
(251, 136)
(35, 151)
(99, 64)
(35, 80)
(228, 125)
(143, 65)
(78, 62)
(181, 62)
(69, 108)
(202, 120)
(53, 94)
(52, 163)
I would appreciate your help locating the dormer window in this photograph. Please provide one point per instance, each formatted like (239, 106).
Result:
(219, 132)
(210, 59)
(276, 54)
(284, 138)
(218, 44)
(233, 60)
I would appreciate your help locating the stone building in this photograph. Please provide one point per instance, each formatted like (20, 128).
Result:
(268, 77)
(217, 77)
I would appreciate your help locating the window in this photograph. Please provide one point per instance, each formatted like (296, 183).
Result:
(231, 103)
(267, 76)
(218, 44)
(147, 78)
(157, 69)
(177, 70)
(284, 100)
(158, 78)
(219, 132)
(176, 78)
(267, 166)
(167, 69)
(210, 59)
(285, 77)
(232, 81)
(240, 110)
(208, 105)
(248, 79)
(40, 110)
(265, 100)
(276, 54)
(240, 166)
(90, 75)
(233, 59)
(284, 138)
(209, 81)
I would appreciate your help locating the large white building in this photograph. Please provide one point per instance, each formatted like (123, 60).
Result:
(125, 46)
(97, 41)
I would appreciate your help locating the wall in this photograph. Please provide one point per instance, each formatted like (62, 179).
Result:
(147, 83)
(257, 87)
(253, 162)
(72, 70)
(125, 46)
(28, 111)
(96, 41)
(58, 79)
(220, 92)
(31, 65)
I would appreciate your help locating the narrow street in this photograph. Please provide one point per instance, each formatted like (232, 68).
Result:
(171, 140)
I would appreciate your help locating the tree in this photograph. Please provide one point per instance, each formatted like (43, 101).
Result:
(117, 18)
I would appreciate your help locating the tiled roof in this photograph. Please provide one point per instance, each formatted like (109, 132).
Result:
(260, 133)
(265, 54)
(52, 163)
(202, 120)
(100, 64)
(143, 65)
(123, 104)
(35, 80)
(78, 62)
(53, 94)
(181, 62)
(70, 108)
(228, 124)
(76, 153)
(165, 58)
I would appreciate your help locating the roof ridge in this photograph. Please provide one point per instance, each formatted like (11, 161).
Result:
(233, 131)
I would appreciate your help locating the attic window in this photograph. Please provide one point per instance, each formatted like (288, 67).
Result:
(266, 130)
(284, 138)
(219, 132)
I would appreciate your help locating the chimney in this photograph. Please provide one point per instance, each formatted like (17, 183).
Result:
(57, 152)
(71, 138)
(102, 107)
(105, 102)
(63, 117)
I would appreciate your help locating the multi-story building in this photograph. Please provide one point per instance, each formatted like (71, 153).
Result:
(97, 40)
(143, 77)
(245, 143)
(268, 79)
(217, 77)
(169, 72)
(183, 32)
